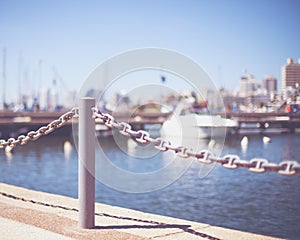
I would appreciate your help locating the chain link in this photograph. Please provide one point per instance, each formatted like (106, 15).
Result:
(42, 131)
(256, 165)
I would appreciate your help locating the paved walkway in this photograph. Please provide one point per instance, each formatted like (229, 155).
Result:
(27, 214)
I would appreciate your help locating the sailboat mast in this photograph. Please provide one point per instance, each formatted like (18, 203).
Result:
(4, 77)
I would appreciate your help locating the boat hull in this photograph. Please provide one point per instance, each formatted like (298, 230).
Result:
(194, 126)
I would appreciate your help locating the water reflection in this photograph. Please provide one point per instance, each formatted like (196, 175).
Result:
(67, 149)
(9, 156)
(287, 149)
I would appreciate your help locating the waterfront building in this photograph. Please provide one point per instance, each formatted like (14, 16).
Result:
(43, 96)
(251, 96)
(290, 74)
(270, 84)
(248, 85)
(70, 96)
(53, 100)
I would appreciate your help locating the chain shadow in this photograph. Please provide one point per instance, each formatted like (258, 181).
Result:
(160, 226)
(184, 228)
(151, 225)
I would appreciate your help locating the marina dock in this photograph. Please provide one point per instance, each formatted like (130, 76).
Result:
(15, 123)
(264, 121)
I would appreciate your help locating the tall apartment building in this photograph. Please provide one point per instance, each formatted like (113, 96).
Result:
(290, 74)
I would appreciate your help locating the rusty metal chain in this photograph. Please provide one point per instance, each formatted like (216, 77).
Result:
(256, 165)
(42, 131)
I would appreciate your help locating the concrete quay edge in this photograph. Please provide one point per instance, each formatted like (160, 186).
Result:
(29, 214)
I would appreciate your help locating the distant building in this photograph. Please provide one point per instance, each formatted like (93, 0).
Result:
(251, 96)
(43, 97)
(290, 74)
(70, 96)
(270, 84)
(52, 100)
(248, 85)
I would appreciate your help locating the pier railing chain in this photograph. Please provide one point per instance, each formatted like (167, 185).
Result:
(256, 165)
(42, 131)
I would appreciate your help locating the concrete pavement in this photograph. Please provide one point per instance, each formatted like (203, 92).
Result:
(27, 214)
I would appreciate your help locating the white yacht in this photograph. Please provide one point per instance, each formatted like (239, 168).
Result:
(196, 123)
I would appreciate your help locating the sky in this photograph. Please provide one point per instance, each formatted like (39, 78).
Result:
(225, 37)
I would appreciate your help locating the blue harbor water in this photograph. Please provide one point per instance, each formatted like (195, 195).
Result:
(259, 203)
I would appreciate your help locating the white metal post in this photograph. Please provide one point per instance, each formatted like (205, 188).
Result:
(86, 164)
